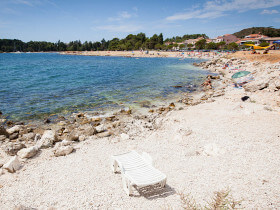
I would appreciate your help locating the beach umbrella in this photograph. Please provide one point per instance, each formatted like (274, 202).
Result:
(276, 42)
(240, 74)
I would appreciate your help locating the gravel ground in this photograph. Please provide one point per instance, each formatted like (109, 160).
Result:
(226, 144)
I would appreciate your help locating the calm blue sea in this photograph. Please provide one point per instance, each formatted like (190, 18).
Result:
(34, 85)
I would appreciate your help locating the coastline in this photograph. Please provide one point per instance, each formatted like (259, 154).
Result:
(193, 156)
(149, 53)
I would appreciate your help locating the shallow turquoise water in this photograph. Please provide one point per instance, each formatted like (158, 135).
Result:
(39, 84)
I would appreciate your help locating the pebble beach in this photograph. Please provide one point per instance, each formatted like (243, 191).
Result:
(205, 142)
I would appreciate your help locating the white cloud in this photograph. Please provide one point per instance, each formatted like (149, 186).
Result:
(120, 28)
(269, 12)
(124, 15)
(218, 8)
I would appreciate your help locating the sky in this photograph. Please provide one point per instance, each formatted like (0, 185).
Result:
(91, 20)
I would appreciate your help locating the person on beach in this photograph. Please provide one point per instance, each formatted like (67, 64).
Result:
(207, 83)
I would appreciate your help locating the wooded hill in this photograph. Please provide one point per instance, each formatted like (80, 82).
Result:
(267, 31)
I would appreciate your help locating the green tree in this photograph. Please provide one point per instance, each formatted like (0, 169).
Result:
(169, 47)
(181, 46)
(221, 45)
(160, 39)
(199, 45)
(232, 46)
(211, 46)
(264, 44)
(189, 46)
(158, 46)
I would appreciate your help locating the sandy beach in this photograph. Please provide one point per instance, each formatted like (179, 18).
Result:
(204, 143)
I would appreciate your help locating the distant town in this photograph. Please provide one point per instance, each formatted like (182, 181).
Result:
(262, 36)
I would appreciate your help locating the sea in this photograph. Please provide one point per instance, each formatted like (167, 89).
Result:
(37, 85)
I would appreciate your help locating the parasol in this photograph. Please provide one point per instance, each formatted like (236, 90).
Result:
(240, 74)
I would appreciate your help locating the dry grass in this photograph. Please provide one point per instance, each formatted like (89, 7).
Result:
(220, 201)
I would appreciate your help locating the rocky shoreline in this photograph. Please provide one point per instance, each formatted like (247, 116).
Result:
(25, 141)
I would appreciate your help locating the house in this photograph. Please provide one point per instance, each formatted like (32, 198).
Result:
(192, 41)
(270, 40)
(255, 38)
(227, 38)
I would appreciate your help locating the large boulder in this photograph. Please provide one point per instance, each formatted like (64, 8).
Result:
(47, 140)
(257, 84)
(28, 152)
(13, 165)
(63, 150)
(74, 135)
(13, 148)
(87, 130)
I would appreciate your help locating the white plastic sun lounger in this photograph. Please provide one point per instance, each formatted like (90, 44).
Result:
(137, 171)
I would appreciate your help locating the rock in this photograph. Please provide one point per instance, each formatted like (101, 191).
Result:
(2, 137)
(87, 130)
(255, 85)
(82, 137)
(28, 136)
(3, 131)
(47, 140)
(74, 135)
(80, 115)
(110, 118)
(214, 77)
(47, 121)
(13, 148)
(104, 134)
(13, 136)
(100, 128)
(124, 136)
(14, 129)
(126, 110)
(28, 152)
(172, 105)
(13, 165)
(177, 86)
(65, 143)
(37, 137)
(63, 150)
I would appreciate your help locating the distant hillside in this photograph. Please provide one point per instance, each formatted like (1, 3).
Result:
(268, 31)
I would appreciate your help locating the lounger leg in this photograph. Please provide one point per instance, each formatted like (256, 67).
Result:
(127, 186)
(163, 183)
(114, 165)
